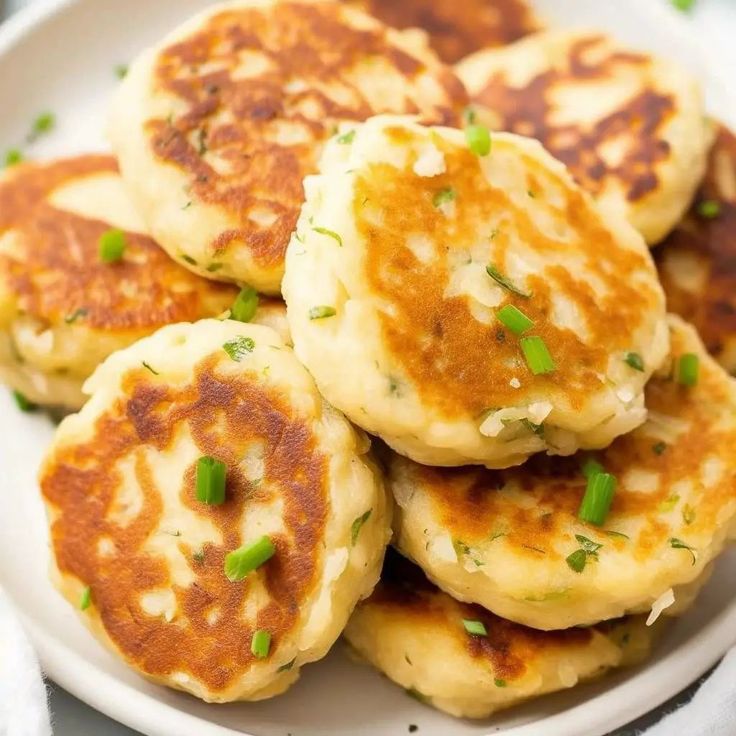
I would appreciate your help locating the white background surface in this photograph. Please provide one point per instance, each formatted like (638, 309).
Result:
(714, 21)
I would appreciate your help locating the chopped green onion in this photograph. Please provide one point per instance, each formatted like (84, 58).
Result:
(448, 194)
(241, 562)
(683, 5)
(13, 156)
(591, 467)
(688, 514)
(470, 115)
(479, 139)
(617, 535)
(245, 305)
(679, 544)
(112, 246)
(501, 280)
(184, 256)
(346, 137)
(688, 367)
(658, 448)
(588, 545)
(286, 667)
(322, 312)
(537, 355)
(261, 643)
(709, 209)
(148, 367)
(635, 361)
(121, 71)
(598, 498)
(211, 474)
(238, 348)
(70, 319)
(22, 402)
(329, 233)
(577, 560)
(357, 525)
(44, 123)
(85, 600)
(476, 628)
(498, 682)
(214, 267)
(198, 556)
(514, 319)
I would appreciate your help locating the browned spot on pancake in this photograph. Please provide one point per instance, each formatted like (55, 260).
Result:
(458, 364)
(237, 121)
(712, 243)
(55, 272)
(225, 415)
(457, 29)
(529, 111)
(473, 504)
(511, 648)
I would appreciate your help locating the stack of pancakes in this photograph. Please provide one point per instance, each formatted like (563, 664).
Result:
(474, 335)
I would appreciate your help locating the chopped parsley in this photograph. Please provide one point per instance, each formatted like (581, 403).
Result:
(635, 361)
(43, 124)
(13, 156)
(579, 558)
(659, 447)
(238, 348)
(121, 71)
(709, 209)
(498, 682)
(23, 403)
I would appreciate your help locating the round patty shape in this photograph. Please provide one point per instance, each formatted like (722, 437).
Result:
(131, 538)
(63, 309)
(408, 248)
(629, 126)
(512, 541)
(457, 29)
(216, 127)
(415, 634)
(697, 261)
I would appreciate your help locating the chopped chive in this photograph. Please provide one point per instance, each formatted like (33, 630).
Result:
(85, 600)
(688, 367)
(346, 137)
(148, 367)
(70, 319)
(709, 209)
(260, 644)
(537, 355)
(591, 467)
(241, 562)
(238, 348)
(214, 267)
(112, 246)
(679, 544)
(514, 319)
(444, 196)
(329, 233)
(498, 682)
(211, 474)
(683, 5)
(617, 535)
(479, 139)
(476, 628)
(121, 71)
(577, 560)
(245, 305)
(13, 156)
(357, 525)
(44, 123)
(658, 448)
(598, 498)
(286, 667)
(470, 115)
(635, 361)
(322, 312)
(23, 403)
(186, 258)
(501, 280)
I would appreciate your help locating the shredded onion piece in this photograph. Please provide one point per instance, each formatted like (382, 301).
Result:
(664, 601)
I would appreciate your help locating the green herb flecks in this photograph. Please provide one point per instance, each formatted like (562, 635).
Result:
(238, 348)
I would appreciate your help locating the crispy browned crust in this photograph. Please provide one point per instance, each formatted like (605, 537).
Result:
(510, 648)
(81, 481)
(529, 110)
(256, 174)
(442, 348)
(712, 242)
(457, 29)
(471, 505)
(54, 270)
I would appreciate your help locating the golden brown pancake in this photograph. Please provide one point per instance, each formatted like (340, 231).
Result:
(415, 634)
(129, 532)
(511, 540)
(629, 126)
(393, 251)
(697, 262)
(457, 29)
(62, 308)
(217, 126)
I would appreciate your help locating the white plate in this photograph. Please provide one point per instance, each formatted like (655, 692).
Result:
(61, 56)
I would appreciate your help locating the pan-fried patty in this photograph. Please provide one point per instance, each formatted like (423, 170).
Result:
(512, 540)
(219, 582)
(630, 126)
(217, 126)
